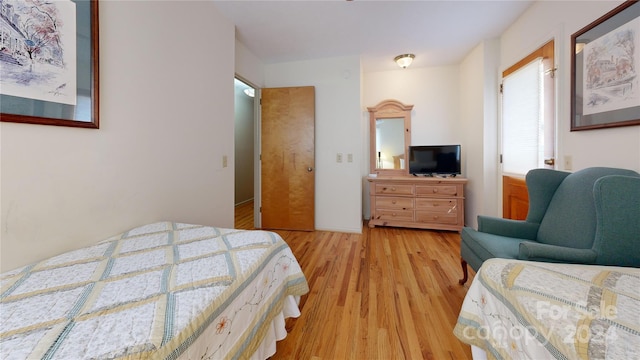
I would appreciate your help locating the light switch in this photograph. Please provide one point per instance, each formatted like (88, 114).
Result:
(224, 161)
(339, 157)
(568, 162)
(349, 157)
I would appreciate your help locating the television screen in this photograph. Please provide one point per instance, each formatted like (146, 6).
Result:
(434, 159)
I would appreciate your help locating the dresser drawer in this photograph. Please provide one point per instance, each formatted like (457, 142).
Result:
(392, 202)
(437, 190)
(416, 202)
(436, 218)
(394, 189)
(440, 206)
(400, 215)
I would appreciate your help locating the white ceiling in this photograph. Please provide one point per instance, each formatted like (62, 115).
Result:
(437, 32)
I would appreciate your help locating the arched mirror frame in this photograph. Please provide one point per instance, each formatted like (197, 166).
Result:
(389, 109)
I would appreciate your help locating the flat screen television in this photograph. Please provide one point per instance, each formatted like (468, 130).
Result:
(434, 160)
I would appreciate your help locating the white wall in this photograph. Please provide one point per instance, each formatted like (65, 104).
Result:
(616, 147)
(338, 129)
(478, 104)
(166, 100)
(454, 104)
(435, 96)
(248, 66)
(491, 190)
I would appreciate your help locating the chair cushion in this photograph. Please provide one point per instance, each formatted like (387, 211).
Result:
(487, 246)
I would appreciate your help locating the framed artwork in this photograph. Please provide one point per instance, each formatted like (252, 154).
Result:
(49, 62)
(605, 67)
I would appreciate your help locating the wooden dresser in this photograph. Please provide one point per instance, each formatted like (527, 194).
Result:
(417, 202)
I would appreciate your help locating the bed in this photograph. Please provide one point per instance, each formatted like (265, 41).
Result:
(519, 309)
(160, 291)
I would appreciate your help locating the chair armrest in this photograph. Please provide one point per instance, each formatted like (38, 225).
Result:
(507, 227)
(553, 253)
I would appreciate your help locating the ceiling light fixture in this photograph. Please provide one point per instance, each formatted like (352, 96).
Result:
(250, 92)
(404, 60)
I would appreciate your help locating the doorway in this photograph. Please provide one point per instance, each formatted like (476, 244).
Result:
(289, 201)
(244, 153)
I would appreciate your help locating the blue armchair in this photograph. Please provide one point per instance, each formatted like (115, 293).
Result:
(591, 216)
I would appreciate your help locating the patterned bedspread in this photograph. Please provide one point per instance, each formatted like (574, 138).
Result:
(532, 310)
(162, 291)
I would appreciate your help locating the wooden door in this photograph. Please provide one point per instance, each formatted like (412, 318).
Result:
(515, 198)
(288, 158)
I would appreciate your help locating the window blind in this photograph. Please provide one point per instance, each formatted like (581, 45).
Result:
(522, 122)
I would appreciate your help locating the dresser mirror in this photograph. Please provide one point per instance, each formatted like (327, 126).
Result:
(390, 137)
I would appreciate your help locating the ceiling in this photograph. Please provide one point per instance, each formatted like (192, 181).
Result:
(438, 32)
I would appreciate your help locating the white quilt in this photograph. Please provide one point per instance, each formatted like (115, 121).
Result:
(163, 291)
(534, 310)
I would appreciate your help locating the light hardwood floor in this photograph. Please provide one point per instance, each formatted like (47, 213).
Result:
(388, 293)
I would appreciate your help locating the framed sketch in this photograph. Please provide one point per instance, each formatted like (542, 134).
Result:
(49, 62)
(605, 67)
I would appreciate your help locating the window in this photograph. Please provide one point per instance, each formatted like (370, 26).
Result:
(523, 125)
(528, 113)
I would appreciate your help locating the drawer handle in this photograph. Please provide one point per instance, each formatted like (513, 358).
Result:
(435, 190)
(435, 217)
(394, 214)
(393, 188)
(393, 202)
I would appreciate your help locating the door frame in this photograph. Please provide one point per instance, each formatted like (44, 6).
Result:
(256, 151)
(257, 164)
(257, 148)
